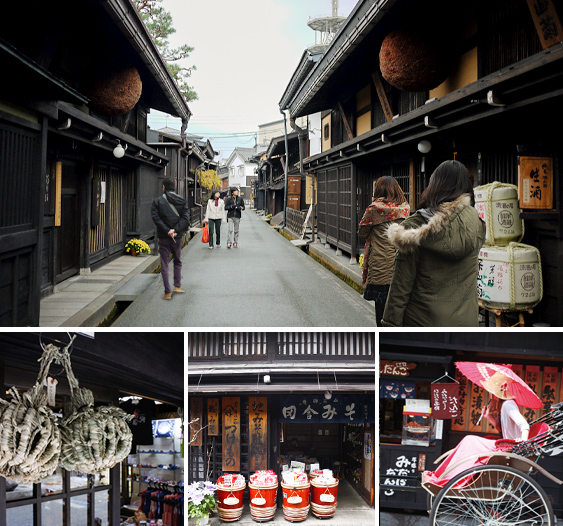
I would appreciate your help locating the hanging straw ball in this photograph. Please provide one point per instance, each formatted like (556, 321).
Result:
(30, 442)
(115, 93)
(411, 61)
(93, 438)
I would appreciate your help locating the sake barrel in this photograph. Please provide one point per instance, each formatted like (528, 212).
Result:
(510, 278)
(295, 501)
(497, 205)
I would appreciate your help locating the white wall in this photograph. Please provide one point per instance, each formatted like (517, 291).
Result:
(315, 142)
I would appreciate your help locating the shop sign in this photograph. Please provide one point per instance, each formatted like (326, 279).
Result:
(340, 409)
(532, 378)
(549, 388)
(421, 462)
(258, 432)
(196, 413)
(231, 433)
(213, 416)
(445, 401)
(96, 197)
(395, 368)
(458, 423)
(397, 390)
(546, 20)
(402, 467)
(535, 182)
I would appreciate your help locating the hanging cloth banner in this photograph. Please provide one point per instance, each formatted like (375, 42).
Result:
(397, 389)
(340, 409)
(445, 401)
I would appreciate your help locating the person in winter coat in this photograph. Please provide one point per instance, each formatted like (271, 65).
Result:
(234, 206)
(214, 214)
(434, 281)
(171, 215)
(389, 206)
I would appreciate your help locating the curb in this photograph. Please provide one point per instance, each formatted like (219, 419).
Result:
(98, 310)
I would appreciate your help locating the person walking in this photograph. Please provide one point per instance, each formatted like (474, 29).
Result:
(434, 281)
(234, 205)
(214, 215)
(171, 215)
(389, 206)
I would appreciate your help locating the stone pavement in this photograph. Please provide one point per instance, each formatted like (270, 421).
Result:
(86, 300)
(266, 282)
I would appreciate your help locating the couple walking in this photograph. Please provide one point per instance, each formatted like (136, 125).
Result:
(171, 215)
(218, 211)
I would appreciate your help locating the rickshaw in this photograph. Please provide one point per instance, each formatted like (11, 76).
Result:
(498, 489)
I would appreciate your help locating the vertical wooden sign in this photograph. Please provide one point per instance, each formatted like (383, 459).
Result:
(196, 414)
(58, 192)
(535, 182)
(546, 21)
(213, 416)
(258, 433)
(532, 378)
(96, 201)
(231, 433)
(458, 424)
(476, 404)
(549, 388)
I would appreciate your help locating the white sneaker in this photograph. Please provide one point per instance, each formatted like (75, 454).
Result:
(210, 248)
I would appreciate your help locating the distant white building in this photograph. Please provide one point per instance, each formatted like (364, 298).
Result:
(242, 165)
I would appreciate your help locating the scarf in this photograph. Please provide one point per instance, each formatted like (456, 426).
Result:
(376, 213)
(216, 202)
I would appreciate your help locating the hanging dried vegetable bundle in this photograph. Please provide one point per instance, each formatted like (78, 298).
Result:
(30, 442)
(93, 438)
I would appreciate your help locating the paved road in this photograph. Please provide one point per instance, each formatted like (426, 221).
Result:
(266, 282)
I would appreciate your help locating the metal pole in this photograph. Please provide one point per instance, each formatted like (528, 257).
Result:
(286, 165)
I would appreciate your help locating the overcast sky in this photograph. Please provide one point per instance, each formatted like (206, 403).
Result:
(245, 53)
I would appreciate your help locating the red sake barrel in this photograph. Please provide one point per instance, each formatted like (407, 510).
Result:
(292, 493)
(268, 493)
(318, 490)
(231, 495)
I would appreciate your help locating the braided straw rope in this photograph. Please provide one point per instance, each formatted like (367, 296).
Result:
(30, 442)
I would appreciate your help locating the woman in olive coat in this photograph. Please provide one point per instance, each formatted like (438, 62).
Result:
(434, 281)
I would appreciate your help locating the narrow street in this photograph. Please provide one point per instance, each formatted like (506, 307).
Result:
(266, 282)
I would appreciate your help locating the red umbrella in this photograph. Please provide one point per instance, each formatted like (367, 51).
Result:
(501, 381)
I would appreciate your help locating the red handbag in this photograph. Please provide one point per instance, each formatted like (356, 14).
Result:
(205, 234)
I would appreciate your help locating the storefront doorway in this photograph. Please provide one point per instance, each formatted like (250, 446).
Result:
(67, 234)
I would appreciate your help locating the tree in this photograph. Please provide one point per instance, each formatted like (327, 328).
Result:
(208, 179)
(159, 26)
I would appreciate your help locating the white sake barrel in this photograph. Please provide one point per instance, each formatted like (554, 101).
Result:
(510, 278)
(497, 204)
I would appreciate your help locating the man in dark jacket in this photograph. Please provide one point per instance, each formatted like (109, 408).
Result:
(234, 205)
(171, 215)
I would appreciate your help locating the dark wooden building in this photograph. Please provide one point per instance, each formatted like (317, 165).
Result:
(497, 100)
(317, 388)
(112, 367)
(77, 176)
(418, 359)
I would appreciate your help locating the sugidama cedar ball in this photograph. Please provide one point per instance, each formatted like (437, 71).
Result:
(410, 61)
(116, 93)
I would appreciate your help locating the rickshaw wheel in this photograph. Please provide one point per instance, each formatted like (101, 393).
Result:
(497, 496)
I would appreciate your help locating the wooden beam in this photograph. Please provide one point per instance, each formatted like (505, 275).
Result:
(546, 21)
(384, 101)
(345, 121)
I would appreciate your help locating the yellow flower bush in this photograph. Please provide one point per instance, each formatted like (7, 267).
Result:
(361, 261)
(138, 245)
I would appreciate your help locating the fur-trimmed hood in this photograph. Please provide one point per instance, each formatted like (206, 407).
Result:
(454, 230)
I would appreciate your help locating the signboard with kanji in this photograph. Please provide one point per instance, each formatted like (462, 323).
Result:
(258, 432)
(535, 182)
(196, 413)
(395, 368)
(231, 433)
(314, 409)
(445, 401)
(546, 20)
(213, 416)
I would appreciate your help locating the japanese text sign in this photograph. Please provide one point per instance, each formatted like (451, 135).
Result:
(231, 433)
(395, 368)
(445, 401)
(213, 416)
(258, 432)
(340, 409)
(546, 20)
(535, 182)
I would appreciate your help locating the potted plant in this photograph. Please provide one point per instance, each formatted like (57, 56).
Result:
(137, 246)
(201, 501)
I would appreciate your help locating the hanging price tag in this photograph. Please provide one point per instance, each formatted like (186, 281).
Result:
(51, 391)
